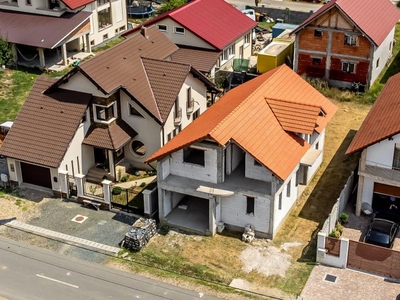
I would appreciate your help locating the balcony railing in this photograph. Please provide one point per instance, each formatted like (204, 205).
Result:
(178, 116)
(190, 106)
(380, 171)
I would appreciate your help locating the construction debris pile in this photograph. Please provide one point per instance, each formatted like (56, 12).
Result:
(139, 234)
(248, 234)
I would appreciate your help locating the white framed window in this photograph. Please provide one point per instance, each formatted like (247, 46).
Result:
(280, 201)
(134, 112)
(350, 40)
(247, 39)
(288, 187)
(228, 53)
(318, 33)
(348, 67)
(377, 63)
(179, 30)
(316, 61)
(162, 27)
(104, 114)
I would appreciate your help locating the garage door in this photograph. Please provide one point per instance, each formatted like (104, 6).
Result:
(388, 190)
(36, 175)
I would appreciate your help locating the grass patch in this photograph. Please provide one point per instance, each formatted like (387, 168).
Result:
(108, 45)
(266, 25)
(14, 88)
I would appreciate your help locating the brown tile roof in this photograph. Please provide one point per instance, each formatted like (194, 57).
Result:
(244, 116)
(202, 60)
(138, 65)
(382, 120)
(111, 137)
(45, 125)
(38, 30)
(375, 18)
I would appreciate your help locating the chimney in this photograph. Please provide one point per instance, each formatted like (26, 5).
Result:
(143, 31)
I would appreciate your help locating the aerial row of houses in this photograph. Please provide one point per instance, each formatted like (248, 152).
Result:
(150, 102)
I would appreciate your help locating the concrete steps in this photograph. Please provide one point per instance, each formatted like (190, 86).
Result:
(96, 175)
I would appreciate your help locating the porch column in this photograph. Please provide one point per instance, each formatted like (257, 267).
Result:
(42, 62)
(88, 47)
(111, 163)
(79, 184)
(107, 193)
(360, 187)
(64, 54)
(211, 215)
(64, 185)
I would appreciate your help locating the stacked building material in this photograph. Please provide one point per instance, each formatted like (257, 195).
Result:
(139, 234)
(248, 234)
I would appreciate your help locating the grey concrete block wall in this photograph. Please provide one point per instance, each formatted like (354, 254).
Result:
(3, 168)
(289, 16)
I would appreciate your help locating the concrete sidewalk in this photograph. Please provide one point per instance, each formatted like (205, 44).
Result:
(63, 237)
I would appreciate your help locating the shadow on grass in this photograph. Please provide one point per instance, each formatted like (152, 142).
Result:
(392, 69)
(326, 192)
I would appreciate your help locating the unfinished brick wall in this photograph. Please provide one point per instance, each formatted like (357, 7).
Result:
(305, 66)
(308, 41)
(336, 73)
(362, 49)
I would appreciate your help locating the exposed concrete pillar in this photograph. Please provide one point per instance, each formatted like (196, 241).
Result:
(107, 192)
(64, 54)
(328, 55)
(361, 168)
(64, 184)
(79, 184)
(88, 47)
(211, 215)
(42, 62)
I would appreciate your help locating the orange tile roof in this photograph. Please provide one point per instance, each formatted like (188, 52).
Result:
(382, 120)
(244, 116)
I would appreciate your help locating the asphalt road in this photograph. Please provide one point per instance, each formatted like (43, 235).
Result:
(30, 273)
(292, 5)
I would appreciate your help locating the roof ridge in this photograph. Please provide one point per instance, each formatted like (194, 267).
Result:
(166, 61)
(292, 102)
(249, 96)
(151, 88)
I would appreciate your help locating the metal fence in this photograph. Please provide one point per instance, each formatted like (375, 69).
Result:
(127, 199)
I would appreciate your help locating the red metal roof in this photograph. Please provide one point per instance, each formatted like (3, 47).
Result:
(244, 115)
(73, 4)
(382, 120)
(215, 21)
(375, 18)
(38, 30)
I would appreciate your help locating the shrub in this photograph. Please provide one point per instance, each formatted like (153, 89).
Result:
(143, 184)
(124, 178)
(343, 218)
(335, 234)
(339, 227)
(116, 190)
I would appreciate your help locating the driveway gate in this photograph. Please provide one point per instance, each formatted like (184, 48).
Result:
(128, 200)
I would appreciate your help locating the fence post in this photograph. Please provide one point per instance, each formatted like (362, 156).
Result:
(107, 191)
(64, 184)
(79, 184)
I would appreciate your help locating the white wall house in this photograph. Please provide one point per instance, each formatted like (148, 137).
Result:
(379, 166)
(193, 26)
(221, 168)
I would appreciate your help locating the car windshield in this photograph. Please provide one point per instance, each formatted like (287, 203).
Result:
(382, 226)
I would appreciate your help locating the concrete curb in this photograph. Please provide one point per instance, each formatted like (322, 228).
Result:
(65, 238)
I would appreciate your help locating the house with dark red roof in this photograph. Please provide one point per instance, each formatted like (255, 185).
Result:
(378, 141)
(46, 33)
(346, 42)
(107, 115)
(244, 160)
(209, 33)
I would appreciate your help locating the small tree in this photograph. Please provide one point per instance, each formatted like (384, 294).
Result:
(170, 5)
(5, 52)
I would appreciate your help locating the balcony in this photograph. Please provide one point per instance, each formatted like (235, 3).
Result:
(178, 116)
(190, 107)
(381, 173)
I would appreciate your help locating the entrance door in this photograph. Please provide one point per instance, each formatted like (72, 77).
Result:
(301, 176)
(99, 156)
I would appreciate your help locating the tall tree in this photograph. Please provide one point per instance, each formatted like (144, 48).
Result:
(5, 52)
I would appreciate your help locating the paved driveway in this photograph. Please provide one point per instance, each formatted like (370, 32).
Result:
(100, 226)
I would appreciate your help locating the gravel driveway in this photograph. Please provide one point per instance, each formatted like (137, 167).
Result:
(55, 214)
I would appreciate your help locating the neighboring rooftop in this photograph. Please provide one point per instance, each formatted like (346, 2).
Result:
(382, 121)
(45, 125)
(215, 21)
(200, 59)
(375, 18)
(38, 30)
(74, 4)
(259, 116)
